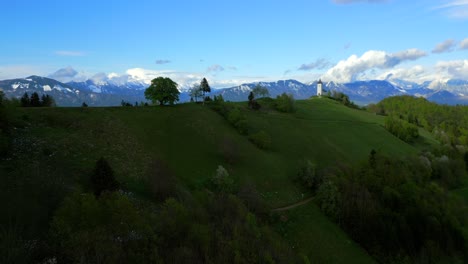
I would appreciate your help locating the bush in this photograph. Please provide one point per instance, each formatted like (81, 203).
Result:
(261, 139)
(234, 116)
(221, 181)
(103, 178)
(308, 175)
(285, 103)
(242, 127)
(402, 129)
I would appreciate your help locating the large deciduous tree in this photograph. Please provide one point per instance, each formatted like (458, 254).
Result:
(162, 90)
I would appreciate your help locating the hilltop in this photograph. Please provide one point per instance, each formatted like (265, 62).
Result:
(62, 144)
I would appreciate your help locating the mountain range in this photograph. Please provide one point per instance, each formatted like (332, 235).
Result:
(111, 92)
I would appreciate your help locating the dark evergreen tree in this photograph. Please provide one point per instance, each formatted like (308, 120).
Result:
(205, 87)
(251, 96)
(47, 100)
(84, 104)
(25, 101)
(102, 178)
(35, 101)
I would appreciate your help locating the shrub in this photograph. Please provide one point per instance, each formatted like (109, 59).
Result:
(285, 103)
(261, 139)
(234, 116)
(102, 178)
(221, 181)
(308, 175)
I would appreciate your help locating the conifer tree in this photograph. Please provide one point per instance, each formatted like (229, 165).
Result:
(205, 87)
(25, 101)
(35, 101)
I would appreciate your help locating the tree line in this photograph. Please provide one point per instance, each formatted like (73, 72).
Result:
(35, 101)
(399, 209)
(449, 124)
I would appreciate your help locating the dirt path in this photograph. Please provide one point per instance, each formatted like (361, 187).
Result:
(293, 205)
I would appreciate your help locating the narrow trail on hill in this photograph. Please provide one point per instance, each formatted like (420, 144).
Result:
(293, 205)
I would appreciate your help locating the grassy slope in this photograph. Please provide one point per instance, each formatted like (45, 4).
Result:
(188, 138)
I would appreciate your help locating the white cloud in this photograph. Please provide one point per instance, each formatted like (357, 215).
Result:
(455, 9)
(417, 74)
(70, 53)
(64, 74)
(456, 69)
(464, 44)
(358, 67)
(446, 46)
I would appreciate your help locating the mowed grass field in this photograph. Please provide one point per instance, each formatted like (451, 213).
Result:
(189, 138)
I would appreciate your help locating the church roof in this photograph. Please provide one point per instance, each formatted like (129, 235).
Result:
(320, 81)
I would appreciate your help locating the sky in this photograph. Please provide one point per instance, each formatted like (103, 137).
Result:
(235, 41)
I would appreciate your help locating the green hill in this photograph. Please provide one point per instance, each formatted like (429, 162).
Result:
(193, 140)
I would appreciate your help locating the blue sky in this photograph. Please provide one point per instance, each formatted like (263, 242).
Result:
(235, 41)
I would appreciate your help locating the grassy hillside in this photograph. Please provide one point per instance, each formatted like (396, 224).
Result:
(190, 138)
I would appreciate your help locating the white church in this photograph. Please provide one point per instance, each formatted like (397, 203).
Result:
(319, 88)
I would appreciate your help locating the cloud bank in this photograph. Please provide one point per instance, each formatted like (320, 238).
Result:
(356, 67)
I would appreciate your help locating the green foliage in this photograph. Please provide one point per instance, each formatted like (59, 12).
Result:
(218, 98)
(329, 198)
(162, 90)
(260, 91)
(449, 124)
(102, 178)
(309, 176)
(35, 101)
(342, 98)
(204, 86)
(25, 100)
(396, 199)
(401, 129)
(261, 139)
(105, 230)
(251, 96)
(237, 119)
(253, 104)
(221, 181)
(47, 100)
(285, 103)
(125, 103)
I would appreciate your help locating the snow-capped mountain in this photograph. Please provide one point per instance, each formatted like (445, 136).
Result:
(111, 90)
(240, 93)
(64, 94)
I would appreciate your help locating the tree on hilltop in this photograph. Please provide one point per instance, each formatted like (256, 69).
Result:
(205, 87)
(162, 90)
